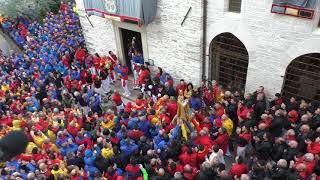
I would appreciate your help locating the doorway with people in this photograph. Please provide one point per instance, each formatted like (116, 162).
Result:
(132, 47)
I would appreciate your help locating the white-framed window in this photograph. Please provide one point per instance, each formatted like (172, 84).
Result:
(235, 6)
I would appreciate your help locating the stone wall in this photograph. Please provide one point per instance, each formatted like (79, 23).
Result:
(272, 40)
(99, 38)
(176, 48)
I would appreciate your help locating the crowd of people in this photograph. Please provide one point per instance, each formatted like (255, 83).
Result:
(54, 92)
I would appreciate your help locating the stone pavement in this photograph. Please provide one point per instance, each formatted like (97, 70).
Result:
(134, 93)
(7, 44)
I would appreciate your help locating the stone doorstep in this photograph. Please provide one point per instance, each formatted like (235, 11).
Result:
(134, 93)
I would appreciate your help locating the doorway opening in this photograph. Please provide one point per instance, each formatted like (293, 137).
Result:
(229, 61)
(302, 79)
(132, 44)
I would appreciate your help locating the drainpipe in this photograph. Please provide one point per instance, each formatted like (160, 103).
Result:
(204, 38)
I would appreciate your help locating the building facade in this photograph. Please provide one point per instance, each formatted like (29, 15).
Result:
(239, 43)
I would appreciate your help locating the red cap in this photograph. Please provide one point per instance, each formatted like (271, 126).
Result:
(293, 116)
(138, 102)
(129, 105)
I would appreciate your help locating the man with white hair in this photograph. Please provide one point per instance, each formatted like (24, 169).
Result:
(244, 177)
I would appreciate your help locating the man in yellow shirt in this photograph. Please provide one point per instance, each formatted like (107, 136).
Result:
(227, 123)
(107, 151)
(59, 172)
(38, 137)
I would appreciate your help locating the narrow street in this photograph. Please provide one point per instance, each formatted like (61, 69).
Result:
(7, 44)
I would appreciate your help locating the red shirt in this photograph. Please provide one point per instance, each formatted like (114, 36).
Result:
(181, 87)
(314, 148)
(238, 169)
(133, 171)
(204, 140)
(223, 141)
(201, 155)
(243, 112)
(135, 134)
(190, 159)
(117, 99)
(80, 54)
(141, 79)
(172, 108)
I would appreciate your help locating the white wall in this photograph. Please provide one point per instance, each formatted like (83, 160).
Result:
(272, 40)
(176, 48)
(99, 38)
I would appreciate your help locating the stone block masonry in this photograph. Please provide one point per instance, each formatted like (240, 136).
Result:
(99, 38)
(175, 48)
(272, 40)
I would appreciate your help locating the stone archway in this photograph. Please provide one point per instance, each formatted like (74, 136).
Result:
(302, 78)
(229, 61)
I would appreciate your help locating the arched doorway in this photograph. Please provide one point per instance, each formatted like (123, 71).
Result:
(302, 79)
(229, 61)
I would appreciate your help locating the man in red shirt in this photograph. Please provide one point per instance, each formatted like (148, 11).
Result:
(116, 98)
(172, 107)
(182, 86)
(135, 134)
(189, 157)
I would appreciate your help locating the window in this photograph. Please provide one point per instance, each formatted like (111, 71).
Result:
(235, 6)
(229, 61)
(302, 78)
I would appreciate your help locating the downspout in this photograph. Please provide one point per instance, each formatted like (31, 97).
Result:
(204, 38)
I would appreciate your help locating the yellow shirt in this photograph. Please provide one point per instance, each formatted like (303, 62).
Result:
(16, 125)
(228, 124)
(38, 140)
(5, 88)
(107, 153)
(51, 136)
(107, 125)
(58, 172)
(187, 94)
(155, 120)
(29, 148)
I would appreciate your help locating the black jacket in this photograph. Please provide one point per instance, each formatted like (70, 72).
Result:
(277, 151)
(263, 149)
(276, 126)
(259, 109)
(289, 153)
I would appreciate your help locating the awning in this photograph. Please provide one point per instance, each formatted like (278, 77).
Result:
(140, 11)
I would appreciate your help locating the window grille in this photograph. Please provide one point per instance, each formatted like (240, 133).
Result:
(302, 79)
(229, 61)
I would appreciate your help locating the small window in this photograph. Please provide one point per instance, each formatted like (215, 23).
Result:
(235, 6)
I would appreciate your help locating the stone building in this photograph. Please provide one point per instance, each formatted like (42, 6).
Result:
(239, 43)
